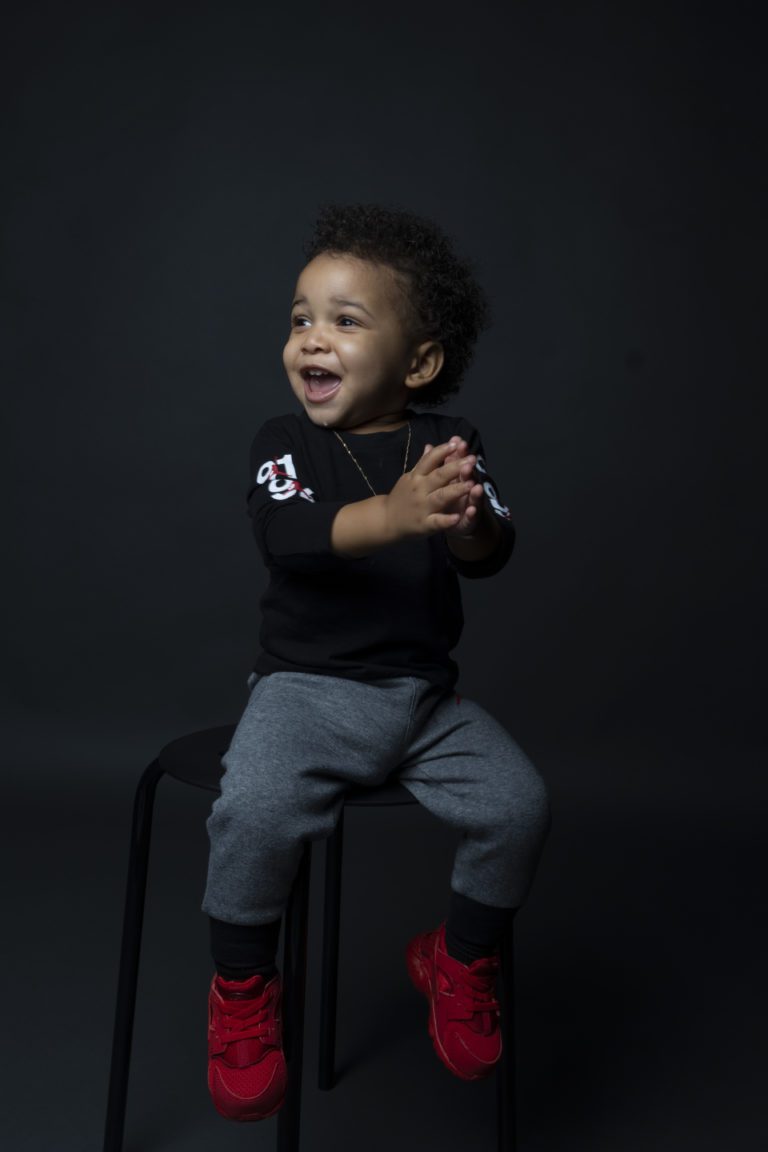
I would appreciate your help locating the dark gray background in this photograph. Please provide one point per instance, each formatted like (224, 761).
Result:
(598, 162)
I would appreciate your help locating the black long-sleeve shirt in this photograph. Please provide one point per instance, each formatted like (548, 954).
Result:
(396, 612)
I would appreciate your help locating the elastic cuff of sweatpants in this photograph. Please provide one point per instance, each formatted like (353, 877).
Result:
(244, 946)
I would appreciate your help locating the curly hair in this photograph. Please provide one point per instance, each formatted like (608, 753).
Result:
(444, 301)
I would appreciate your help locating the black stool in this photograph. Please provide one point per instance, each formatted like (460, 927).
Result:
(196, 759)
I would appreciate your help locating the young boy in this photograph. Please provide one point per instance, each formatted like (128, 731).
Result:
(365, 512)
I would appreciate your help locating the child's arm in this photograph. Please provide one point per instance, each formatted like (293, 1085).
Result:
(424, 501)
(483, 538)
(291, 525)
(295, 530)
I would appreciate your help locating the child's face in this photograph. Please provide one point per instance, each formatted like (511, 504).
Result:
(347, 318)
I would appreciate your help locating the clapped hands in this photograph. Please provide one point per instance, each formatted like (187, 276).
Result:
(439, 494)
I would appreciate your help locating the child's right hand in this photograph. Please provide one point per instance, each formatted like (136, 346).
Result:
(422, 501)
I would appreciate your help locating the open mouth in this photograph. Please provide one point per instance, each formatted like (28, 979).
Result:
(319, 385)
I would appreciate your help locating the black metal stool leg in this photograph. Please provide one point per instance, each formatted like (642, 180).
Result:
(294, 992)
(507, 1111)
(133, 918)
(330, 970)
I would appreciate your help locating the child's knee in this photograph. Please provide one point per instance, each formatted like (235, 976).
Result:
(240, 812)
(541, 808)
(275, 814)
(524, 804)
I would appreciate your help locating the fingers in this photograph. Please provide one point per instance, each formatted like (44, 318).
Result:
(442, 463)
(458, 501)
(443, 485)
(454, 471)
(459, 454)
(457, 491)
(465, 498)
(440, 521)
(433, 456)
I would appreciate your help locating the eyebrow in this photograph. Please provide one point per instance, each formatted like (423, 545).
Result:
(338, 300)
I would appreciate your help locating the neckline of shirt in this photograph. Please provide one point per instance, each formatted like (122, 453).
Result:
(361, 437)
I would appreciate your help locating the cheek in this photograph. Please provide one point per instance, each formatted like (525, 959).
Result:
(354, 354)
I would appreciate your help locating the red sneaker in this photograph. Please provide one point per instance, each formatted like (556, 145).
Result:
(463, 1010)
(246, 1066)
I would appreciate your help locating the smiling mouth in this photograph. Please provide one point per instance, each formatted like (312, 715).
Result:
(318, 388)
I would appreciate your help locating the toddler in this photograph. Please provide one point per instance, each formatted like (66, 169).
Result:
(366, 513)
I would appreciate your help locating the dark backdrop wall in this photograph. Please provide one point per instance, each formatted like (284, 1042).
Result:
(598, 162)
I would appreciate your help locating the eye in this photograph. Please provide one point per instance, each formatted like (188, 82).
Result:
(297, 321)
(349, 318)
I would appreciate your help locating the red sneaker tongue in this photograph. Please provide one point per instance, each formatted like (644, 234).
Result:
(241, 989)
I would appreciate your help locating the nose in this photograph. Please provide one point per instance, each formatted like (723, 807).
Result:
(315, 337)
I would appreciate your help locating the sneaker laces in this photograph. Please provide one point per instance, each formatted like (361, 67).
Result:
(244, 1022)
(245, 1018)
(476, 1000)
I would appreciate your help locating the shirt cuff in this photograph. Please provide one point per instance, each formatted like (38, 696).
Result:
(491, 564)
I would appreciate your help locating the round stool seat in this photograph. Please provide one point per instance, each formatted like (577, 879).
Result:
(196, 759)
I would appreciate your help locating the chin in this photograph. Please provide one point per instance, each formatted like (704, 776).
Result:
(321, 418)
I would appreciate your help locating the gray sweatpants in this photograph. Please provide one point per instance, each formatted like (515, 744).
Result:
(303, 739)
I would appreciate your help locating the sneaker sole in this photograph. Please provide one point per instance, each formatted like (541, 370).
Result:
(250, 1116)
(419, 974)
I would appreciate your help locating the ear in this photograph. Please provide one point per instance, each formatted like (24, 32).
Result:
(426, 362)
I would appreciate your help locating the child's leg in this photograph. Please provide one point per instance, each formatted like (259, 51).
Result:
(474, 929)
(301, 741)
(241, 950)
(468, 771)
(465, 767)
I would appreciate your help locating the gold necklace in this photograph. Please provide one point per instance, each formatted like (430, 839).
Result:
(360, 470)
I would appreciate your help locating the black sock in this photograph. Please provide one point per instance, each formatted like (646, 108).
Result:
(474, 930)
(242, 950)
(245, 973)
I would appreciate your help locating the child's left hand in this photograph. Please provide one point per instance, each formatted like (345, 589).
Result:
(469, 505)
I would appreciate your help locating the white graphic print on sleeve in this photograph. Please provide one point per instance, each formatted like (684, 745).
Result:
(283, 480)
(499, 508)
